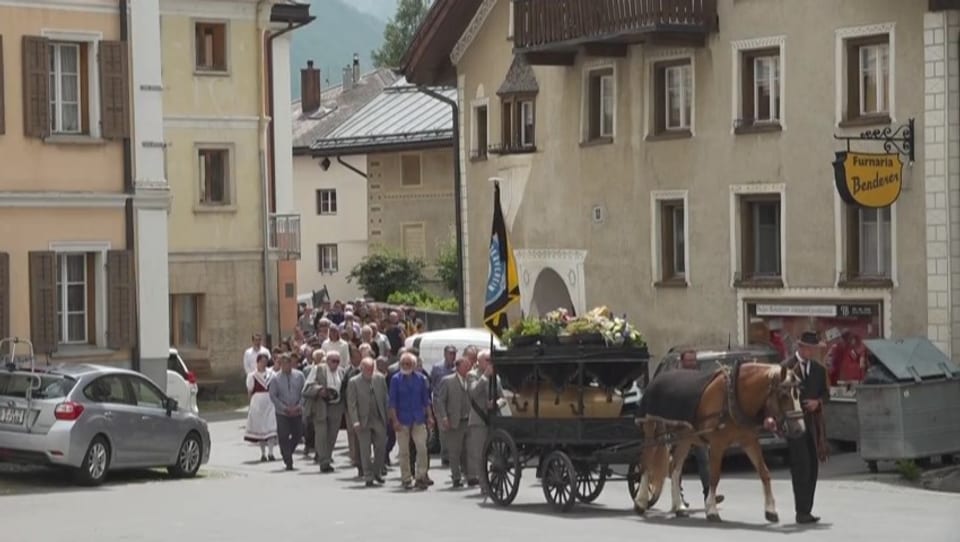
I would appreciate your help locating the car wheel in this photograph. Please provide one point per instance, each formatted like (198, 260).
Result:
(188, 458)
(96, 461)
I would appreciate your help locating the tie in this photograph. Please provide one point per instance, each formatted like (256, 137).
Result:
(806, 369)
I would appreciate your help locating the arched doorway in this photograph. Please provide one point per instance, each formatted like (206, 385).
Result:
(549, 293)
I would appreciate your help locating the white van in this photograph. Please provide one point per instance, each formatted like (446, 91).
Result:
(431, 343)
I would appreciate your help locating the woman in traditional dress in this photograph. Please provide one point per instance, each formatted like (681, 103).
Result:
(262, 416)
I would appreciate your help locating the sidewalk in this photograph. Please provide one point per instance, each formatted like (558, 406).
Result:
(946, 479)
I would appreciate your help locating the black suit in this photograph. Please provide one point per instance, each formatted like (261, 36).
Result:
(804, 463)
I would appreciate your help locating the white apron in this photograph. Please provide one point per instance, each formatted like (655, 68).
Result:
(262, 416)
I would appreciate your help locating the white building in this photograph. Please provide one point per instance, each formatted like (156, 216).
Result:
(331, 193)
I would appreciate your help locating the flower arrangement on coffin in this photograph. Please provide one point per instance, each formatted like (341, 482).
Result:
(531, 330)
(598, 326)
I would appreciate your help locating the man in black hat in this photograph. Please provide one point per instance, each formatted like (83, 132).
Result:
(805, 451)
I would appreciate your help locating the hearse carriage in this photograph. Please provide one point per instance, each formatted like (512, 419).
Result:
(564, 413)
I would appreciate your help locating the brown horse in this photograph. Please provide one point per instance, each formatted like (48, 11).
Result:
(725, 415)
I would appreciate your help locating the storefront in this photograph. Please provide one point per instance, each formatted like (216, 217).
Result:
(841, 324)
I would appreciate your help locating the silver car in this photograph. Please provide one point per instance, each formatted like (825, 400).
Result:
(93, 419)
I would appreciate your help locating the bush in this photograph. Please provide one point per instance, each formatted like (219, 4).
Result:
(385, 272)
(447, 269)
(423, 300)
(909, 470)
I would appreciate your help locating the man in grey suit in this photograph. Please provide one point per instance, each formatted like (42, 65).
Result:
(481, 408)
(322, 389)
(367, 404)
(453, 412)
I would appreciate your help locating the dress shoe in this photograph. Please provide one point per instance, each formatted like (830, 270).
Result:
(427, 480)
(407, 484)
(458, 483)
(271, 458)
(369, 483)
(445, 462)
(805, 519)
(473, 482)
(263, 459)
(326, 469)
(422, 484)
(379, 480)
(289, 467)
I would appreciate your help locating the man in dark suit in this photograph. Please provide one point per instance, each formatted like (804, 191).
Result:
(804, 451)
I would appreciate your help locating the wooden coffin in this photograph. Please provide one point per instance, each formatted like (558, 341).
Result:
(565, 404)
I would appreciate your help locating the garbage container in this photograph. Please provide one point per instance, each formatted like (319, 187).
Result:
(908, 405)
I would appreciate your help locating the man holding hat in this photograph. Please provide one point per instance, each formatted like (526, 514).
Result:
(808, 450)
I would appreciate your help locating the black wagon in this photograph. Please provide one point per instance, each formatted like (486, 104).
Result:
(565, 419)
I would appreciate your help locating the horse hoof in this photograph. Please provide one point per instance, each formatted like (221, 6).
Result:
(772, 517)
(682, 513)
(714, 518)
(639, 509)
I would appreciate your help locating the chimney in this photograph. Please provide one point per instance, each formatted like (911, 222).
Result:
(310, 88)
(356, 68)
(347, 78)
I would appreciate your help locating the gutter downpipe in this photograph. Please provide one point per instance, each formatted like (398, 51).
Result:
(351, 168)
(267, 149)
(129, 189)
(457, 195)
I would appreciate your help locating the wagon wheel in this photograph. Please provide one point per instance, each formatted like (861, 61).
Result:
(559, 481)
(634, 476)
(501, 468)
(590, 481)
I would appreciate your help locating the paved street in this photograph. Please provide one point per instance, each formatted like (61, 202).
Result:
(240, 500)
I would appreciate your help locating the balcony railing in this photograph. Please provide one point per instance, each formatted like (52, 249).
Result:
(540, 25)
(285, 236)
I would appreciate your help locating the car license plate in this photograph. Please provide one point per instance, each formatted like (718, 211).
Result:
(12, 416)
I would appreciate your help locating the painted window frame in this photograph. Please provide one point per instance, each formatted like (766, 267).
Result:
(664, 274)
(230, 204)
(741, 194)
(176, 318)
(227, 57)
(335, 258)
(744, 53)
(595, 130)
(654, 106)
(91, 41)
(403, 238)
(98, 251)
(419, 156)
(845, 39)
(479, 149)
(327, 207)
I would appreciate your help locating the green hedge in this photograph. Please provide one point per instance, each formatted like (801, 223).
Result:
(423, 300)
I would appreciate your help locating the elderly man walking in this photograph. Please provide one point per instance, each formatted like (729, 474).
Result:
(481, 405)
(411, 414)
(322, 388)
(453, 411)
(286, 392)
(368, 406)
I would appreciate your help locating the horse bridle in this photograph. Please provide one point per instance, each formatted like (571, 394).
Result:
(777, 391)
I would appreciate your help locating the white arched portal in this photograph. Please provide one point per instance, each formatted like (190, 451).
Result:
(565, 264)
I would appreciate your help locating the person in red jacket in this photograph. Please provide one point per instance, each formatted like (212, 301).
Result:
(847, 359)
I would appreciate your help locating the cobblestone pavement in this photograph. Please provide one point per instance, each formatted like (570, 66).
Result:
(240, 499)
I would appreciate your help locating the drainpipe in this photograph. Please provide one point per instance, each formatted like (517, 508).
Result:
(351, 168)
(267, 150)
(457, 194)
(130, 190)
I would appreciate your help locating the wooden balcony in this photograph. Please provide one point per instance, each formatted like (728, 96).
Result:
(552, 32)
(284, 236)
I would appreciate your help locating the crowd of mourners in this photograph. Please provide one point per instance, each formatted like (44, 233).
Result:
(346, 368)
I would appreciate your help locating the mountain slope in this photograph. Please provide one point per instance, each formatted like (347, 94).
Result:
(339, 31)
(381, 9)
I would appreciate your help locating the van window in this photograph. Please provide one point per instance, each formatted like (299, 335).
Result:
(51, 386)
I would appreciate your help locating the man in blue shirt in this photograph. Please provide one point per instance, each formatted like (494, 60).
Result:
(410, 414)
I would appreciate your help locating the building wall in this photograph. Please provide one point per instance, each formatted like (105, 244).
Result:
(431, 203)
(550, 196)
(347, 228)
(216, 253)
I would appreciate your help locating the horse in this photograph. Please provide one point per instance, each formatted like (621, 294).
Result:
(730, 409)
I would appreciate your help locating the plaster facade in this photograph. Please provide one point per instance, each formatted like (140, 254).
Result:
(569, 197)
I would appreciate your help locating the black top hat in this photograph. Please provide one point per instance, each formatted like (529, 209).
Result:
(810, 338)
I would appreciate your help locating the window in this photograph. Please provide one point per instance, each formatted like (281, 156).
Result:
(672, 241)
(326, 202)
(186, 318)
(108, 389)
(410, 170)
(869, 246)
(214, 176)
(480, 136)
(75, 298)
(414, 241)
(601, 103)
(673, 97)
(328, 258)
(145, 394)
(68, 88)
(211, 45)
(519, 120)
(868, 78)
(760, 88)
(760, 237)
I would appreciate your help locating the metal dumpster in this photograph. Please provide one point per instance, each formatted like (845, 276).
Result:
(909, 404)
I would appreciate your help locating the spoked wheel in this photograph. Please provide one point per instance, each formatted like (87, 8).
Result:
(634, 476)
(501, 468)
(590, 482)
(559, 480)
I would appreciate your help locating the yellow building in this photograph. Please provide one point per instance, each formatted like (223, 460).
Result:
(233, 236)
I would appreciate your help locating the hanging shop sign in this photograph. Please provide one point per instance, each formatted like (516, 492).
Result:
(874, 180)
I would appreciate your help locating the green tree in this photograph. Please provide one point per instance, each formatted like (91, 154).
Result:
(399, 32)
(385, 272)
(447, 268)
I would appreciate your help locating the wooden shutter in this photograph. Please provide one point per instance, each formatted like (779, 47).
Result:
(747, 75)
(121, 301)
(748, 266)
(659, 99)
(114, 90)
(3, 127)
(44, 324)
(853, 242)
(4, 294)
(36, 87)
(666, 242)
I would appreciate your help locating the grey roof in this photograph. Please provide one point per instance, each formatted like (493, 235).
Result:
(520, 78)
(400, 117)
(336, 107)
